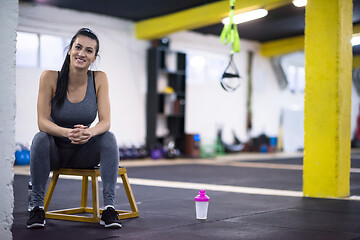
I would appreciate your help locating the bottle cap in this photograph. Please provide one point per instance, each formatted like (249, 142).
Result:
(202, 197)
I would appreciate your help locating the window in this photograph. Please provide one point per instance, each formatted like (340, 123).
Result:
(205, 67)
(293, 66)
(40, 50)
(27, 49)
(52, 52)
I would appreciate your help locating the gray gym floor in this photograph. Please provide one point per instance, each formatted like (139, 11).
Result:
(167, 209)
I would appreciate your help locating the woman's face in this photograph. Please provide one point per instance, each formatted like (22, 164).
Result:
(82, 52)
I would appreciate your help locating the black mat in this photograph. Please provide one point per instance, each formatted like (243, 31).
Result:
(169, 213)
(223, 175)
(355, 160)
(295, 160)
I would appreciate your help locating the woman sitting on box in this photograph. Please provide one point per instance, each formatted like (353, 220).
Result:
(68, 103)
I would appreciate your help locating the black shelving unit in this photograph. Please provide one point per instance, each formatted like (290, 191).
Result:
(158, 103)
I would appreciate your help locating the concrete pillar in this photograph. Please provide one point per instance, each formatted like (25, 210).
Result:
(328, 61)
(8, 26)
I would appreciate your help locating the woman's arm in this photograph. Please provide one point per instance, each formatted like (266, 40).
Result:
(103, 104)
(47, 87)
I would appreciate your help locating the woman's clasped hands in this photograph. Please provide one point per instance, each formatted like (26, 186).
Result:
(80, 134)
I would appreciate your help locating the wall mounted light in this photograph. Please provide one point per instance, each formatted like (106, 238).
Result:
(299, 3)
(246, 16)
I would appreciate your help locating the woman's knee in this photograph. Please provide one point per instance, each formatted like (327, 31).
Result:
(41, 139)
(108, 139)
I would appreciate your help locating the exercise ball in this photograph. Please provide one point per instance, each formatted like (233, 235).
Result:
(22, 157)
(156, 153)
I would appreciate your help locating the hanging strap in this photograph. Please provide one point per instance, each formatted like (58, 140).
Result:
(230, 75)
(231, 62)
(228, 87)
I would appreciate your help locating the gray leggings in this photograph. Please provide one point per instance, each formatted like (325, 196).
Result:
(49, 153)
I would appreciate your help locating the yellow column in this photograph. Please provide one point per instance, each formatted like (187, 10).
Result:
(328, 61)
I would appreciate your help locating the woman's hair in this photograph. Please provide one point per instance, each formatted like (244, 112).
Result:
(63, 77)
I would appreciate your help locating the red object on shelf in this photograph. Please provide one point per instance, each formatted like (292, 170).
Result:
(192, 145)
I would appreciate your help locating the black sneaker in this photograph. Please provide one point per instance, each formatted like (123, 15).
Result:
(109, 218)
(37, 218)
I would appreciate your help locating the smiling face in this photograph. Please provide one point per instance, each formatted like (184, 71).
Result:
(82, 52)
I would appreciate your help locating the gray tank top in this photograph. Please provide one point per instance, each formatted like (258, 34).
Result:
(84, 112)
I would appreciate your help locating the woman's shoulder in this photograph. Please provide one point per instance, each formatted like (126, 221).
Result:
(49, 77)
(100, 76)
(50, 73)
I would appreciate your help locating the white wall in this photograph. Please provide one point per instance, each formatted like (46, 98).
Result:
(9, 21)
(208, 105)
(123, 58)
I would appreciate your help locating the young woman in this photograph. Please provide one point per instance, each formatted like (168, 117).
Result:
(68, 103)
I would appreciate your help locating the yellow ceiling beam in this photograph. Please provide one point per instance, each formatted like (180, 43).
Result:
(282, 46)
(198, 17)
(289, 45)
